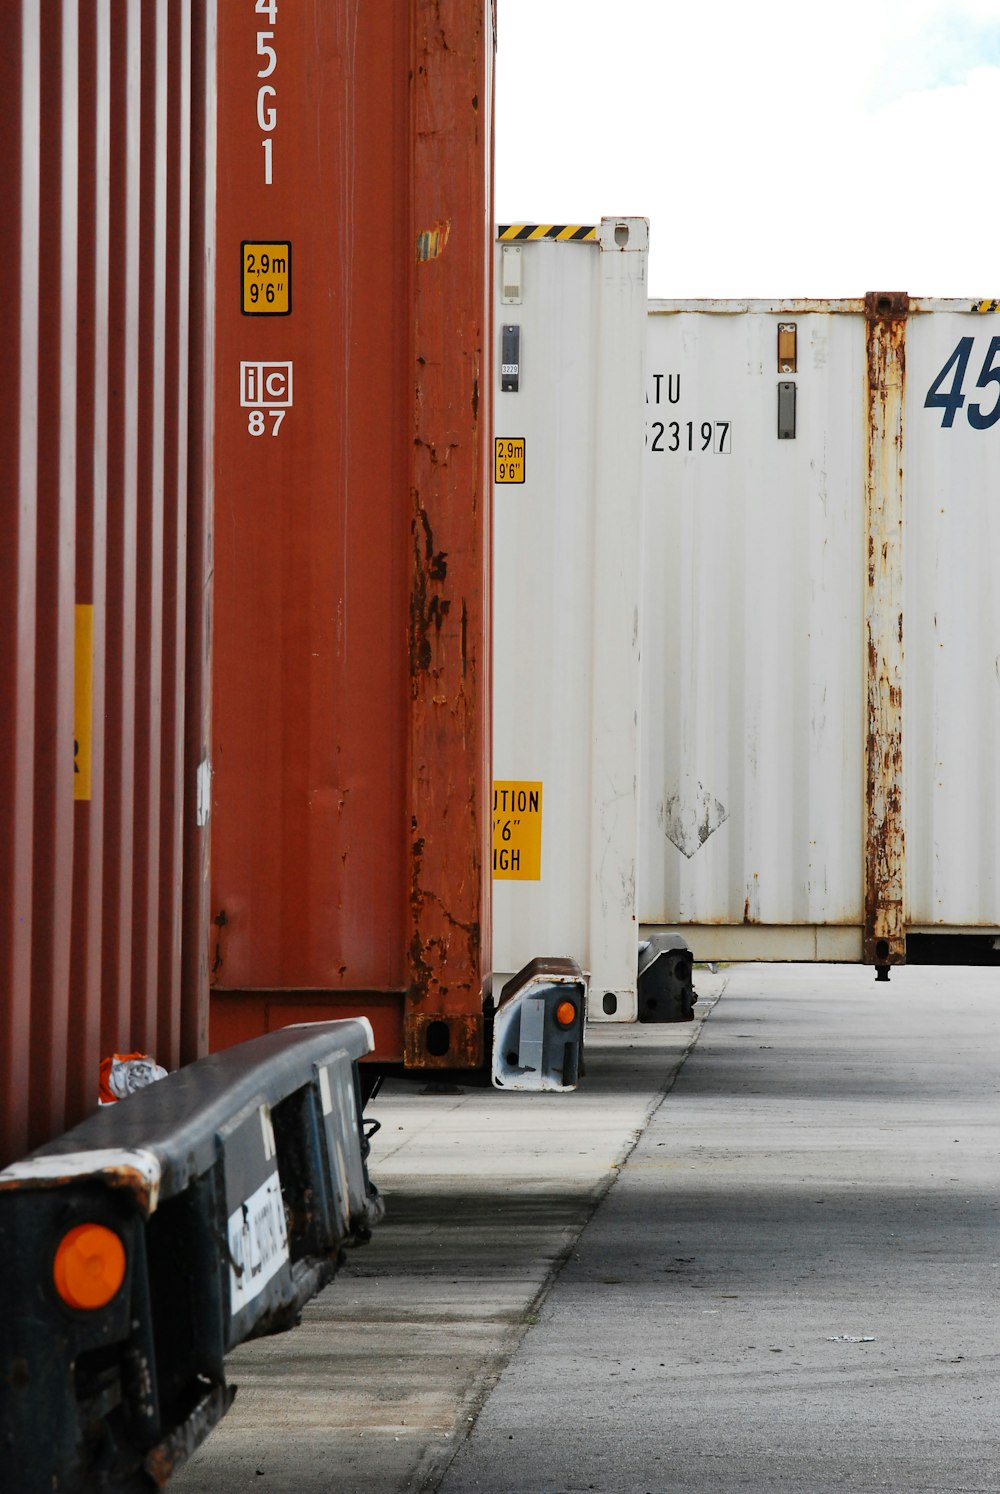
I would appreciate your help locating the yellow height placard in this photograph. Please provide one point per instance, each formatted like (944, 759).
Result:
(508, 458)
(517, 830)
(267, 277)
(83, 701)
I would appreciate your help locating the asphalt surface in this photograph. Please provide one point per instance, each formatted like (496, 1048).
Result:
(758, 1252)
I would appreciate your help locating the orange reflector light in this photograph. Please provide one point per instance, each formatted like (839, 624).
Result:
(89, 1266)
(565, 1014)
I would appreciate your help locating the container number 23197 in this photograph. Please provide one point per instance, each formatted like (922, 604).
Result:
(691, 435)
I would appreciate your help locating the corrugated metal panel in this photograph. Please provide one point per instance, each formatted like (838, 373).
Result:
(752, 769)
(351, 705)
(566, 651)
(93, 555)
(819, 632)
(952, 621)
(820, 702)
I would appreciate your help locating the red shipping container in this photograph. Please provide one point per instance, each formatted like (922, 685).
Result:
(104, 570)
(351, 829)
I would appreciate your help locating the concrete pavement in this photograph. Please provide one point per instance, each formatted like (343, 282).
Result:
(486, 1192)
(789, 1284)
(793, 1284)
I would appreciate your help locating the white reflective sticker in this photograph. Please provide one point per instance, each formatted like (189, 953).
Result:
(204, 793)
(267, 1131)
(324, 1090)
(258, 1243)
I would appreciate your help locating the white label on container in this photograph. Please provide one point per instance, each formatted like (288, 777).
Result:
(204, 793)
(258, 1243)
(267, 1133)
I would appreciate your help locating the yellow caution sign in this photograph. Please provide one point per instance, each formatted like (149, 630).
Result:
(517, 831)
(83, 702)
(508, 458)
(267, 277)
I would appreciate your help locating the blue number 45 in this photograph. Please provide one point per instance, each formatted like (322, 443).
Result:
(952, 399)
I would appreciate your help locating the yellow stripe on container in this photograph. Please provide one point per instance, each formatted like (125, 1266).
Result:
(83, 701)
(563, 233)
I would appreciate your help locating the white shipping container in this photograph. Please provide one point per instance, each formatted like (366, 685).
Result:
(749, 658)
(753, 623)
(821, 670)
(571, 312)
(951, 697)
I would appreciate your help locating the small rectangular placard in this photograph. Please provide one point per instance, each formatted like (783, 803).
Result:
(258, 1243)
(517, 831)
(510, 358)
(267, 277)
(508, 458)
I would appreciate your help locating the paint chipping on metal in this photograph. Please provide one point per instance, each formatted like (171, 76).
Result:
(689, 819)
(450, 518)
(432, 242)
(428, 609)
(133, 1170)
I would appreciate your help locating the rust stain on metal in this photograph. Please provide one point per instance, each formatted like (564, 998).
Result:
(428, 609)
(464, 1041)
(220, 921)
(133, 1180)
(449, 604)
(885, 930)
(139, 1182)
(465, 638)
(164, 1460)
(459, 1035)
(751, 903)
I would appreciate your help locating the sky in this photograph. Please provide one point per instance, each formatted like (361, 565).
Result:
(778, 149)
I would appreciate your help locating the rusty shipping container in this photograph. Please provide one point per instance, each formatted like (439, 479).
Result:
(350, 862)
(820, 699)
(103, 548)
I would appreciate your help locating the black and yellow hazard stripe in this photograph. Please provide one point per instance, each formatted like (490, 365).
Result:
(985, 307)
(565, 233)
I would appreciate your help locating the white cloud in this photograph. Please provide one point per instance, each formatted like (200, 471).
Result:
(776, 150)
(944, 52)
